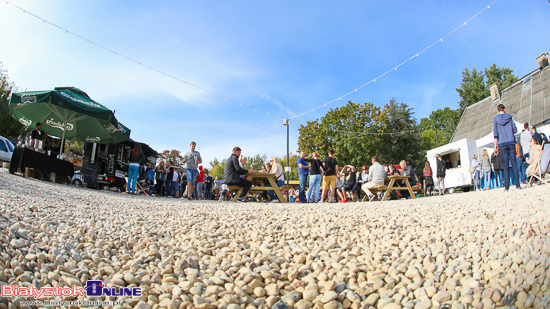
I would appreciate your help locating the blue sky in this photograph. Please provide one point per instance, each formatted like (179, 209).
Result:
(283, 57)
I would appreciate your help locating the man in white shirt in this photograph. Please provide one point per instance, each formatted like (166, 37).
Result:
(377, 174)
(525, 141)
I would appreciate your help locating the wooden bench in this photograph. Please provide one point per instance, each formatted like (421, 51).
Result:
(393, 186)
(260, 181)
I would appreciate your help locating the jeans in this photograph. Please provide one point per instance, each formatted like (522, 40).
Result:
(477, 180)
(499, 178)
(207, 192)
(521, 170)
(174, 189)
(508, 156)
(314, 184)
(291, 198)
(133, 172)
(303, 184)
(487, 180)
(168, 185)
(271, 193)
(159, 187)
(200, 191)
(192, 176)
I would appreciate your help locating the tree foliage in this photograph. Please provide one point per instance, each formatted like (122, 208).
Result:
(476, 83)
(472, 89)
(445, 121)
(174, 156)
(357, 132)
(404, 141)
(344, 129)
(9, 127)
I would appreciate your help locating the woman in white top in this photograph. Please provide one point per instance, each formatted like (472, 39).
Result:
(277, 169)
(477, 173)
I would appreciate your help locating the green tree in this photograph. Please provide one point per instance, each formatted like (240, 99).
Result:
(9, 127)
(403, 140)
(472, 88)
(256, 162)
(293, 163)
(351, 130)
(445, 120)
(504, 76)
(217, 171)
(475, 84)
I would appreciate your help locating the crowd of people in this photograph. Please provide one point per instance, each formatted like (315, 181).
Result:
(514, 160)
(327, 182)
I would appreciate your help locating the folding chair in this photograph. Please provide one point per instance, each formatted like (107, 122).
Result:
(543, 165)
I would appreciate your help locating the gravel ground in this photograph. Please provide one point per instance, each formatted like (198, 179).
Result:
(486, 249)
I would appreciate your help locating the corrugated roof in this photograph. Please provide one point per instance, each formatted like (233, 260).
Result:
(526, 100)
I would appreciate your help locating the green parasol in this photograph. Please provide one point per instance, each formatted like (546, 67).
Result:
(69, 113)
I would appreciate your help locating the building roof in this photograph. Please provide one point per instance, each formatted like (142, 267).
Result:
(527, 100)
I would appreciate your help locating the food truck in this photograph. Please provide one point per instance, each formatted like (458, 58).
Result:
(106, 165)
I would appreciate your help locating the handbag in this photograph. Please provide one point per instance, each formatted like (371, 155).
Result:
(472, 169)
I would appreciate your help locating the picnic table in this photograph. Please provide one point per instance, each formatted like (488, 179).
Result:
(393, 185)
(259, 184)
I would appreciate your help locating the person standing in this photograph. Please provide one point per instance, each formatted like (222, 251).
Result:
(160, 173)
(217, 187)
(441, 170)
(428, 178)
(504, 129)
(498, 167)
(315, 172)
(193, 159)
(37, 133)
(232, 172)
(169, 177)
(136, 159)
(536, 135)
(207, 185)
(525, 140)
(477, 173)
(199, 189)
(519, 160)
(486, 170)
(330, 166)
(303, 171)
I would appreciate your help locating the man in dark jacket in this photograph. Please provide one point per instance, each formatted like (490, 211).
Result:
(496, 159)
(504, 129)
(232, 172)
(441, 171)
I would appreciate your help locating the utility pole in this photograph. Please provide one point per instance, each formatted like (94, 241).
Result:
(436, 140)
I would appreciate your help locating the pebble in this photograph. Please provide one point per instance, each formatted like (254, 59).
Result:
(423, 253)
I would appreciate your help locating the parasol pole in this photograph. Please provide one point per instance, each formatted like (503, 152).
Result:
(63, 135)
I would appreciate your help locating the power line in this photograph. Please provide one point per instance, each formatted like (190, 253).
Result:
(396, 67)
(143, 64)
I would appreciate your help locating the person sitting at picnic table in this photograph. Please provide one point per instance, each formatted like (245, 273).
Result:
(277, 169)
(349, 179)
(376, 177)
(362, 178)
(407, 171)
(232, 172)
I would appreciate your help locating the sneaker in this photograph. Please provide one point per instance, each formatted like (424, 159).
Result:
(274, 201)
(518, 188)
(372, 197)
(505, 190)
(241, 200)
(343, 201)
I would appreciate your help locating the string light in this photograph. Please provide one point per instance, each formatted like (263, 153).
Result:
(395, 68)
(135, 61)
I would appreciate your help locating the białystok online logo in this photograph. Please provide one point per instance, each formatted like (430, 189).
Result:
(92, 288)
